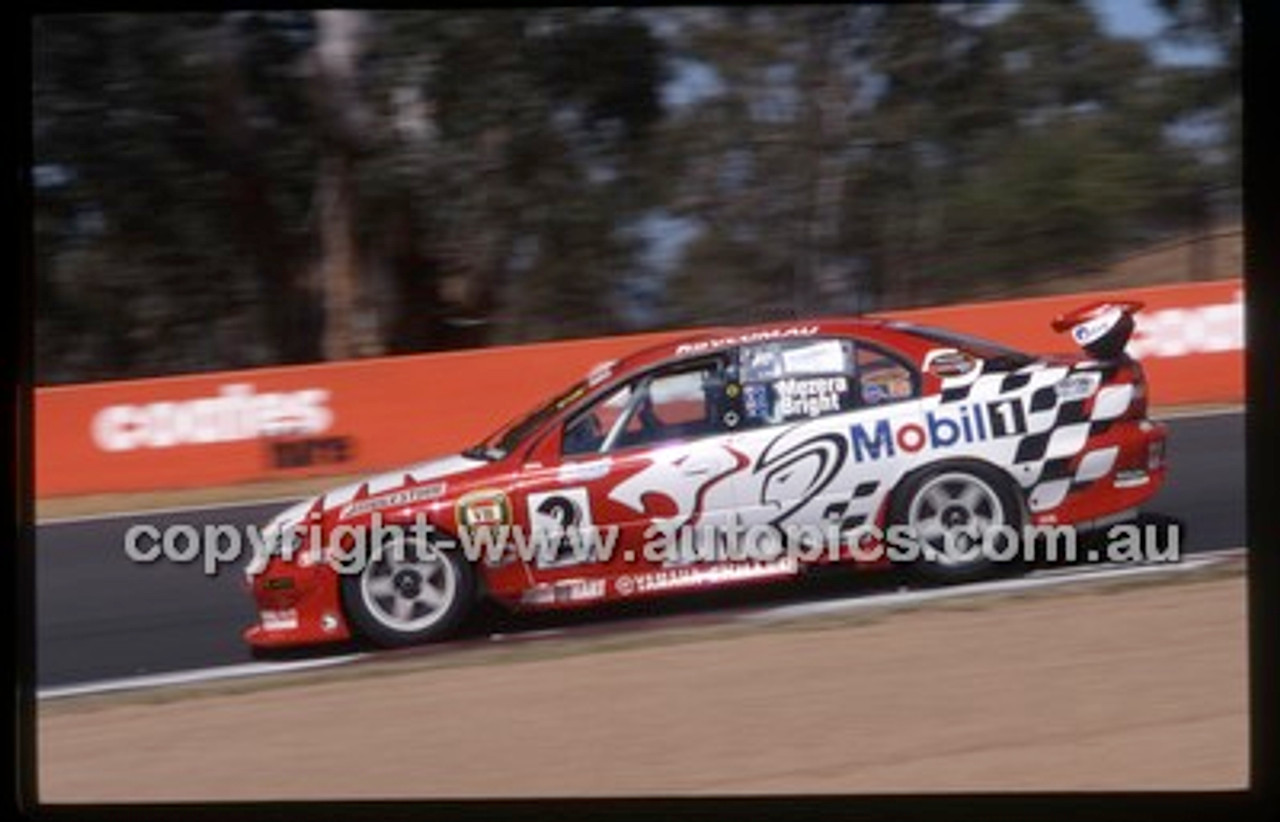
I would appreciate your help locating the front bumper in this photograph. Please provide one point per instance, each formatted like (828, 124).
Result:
(296, 605)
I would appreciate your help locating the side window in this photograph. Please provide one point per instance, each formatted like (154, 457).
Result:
(883, 378)
(681, 403)
(585, 433)
(792, 380)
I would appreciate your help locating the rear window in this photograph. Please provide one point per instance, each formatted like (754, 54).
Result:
(979, 347)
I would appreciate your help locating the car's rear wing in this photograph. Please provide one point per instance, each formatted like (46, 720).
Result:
(1102, 328)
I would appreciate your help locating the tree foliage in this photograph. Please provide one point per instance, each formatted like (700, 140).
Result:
(244, 188)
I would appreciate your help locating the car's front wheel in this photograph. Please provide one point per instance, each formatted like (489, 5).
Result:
(410, 596)
(962, 518)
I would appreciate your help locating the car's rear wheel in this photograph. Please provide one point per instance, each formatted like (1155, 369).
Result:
(406, 597)
(962, 517)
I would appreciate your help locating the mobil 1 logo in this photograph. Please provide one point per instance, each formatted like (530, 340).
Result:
(940, 428)
(1008, 418)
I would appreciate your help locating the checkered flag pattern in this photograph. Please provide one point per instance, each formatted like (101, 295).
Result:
(1050, 457)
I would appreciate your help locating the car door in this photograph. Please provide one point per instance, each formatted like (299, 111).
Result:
(800, 402)
(639, 466)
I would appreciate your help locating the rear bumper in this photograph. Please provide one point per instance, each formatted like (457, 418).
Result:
(1134, 477)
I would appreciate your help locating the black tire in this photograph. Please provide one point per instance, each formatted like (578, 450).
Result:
(388, 601)
(966, 499)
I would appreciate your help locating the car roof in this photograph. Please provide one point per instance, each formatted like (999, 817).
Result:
(721, 338)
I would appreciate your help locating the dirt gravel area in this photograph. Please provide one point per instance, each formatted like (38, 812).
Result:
(1130, 688)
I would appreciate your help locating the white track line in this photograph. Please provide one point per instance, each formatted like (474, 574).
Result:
(1048, 579)
(202, 675)
(1190, 413)
(888, 601)
(216, 506)
(159, 512)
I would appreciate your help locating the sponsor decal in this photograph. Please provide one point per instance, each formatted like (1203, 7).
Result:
(600, 373)
(667, 475)
(283, 620)
(698, 577)
(1177, 332)
(554, 514)
(538, 595)
(750, 337)
(311, 451)
(571, 472)
(948, 362)
(555, 511)
(235, 414)
(963, 425)
(485, 508)
(825, 357)
(396, 499)
(570, 397)
(1093, 330)
(810, 397)
(792, 474)
(894, 382)
(760, 363)
(1077, 386)
(755, 401)
(579, 590)
(564, 590)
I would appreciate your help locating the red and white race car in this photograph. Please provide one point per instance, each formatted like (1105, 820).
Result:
(844, 427)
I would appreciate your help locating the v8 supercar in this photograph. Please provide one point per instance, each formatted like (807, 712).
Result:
(847, 427)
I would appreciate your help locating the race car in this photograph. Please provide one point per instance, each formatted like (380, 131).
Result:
(847, 429)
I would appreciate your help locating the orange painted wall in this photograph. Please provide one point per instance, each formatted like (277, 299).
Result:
(1188, 337)
(384, 412)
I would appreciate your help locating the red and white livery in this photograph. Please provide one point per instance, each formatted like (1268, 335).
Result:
(834, 424)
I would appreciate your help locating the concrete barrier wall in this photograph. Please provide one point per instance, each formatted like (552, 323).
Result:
(276, 423)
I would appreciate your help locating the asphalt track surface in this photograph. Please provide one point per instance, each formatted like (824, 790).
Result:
(101, 616)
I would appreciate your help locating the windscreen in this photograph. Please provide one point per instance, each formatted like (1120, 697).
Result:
(499, 444)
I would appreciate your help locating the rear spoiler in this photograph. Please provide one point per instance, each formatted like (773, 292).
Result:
(1102, 329)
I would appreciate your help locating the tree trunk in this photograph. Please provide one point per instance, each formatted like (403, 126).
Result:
(338, 264)
(827, 123)
(289, 314)
(343, 122)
